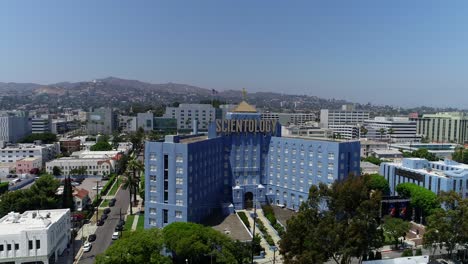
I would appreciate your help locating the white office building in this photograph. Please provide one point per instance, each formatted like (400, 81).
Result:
(34, 236)
(127, 124)
(342, 117)
(345, 131)
(41, 124)
(306, 131)
(392, 129)
(13, 153)
(93, 166)
(287, 119)
(14, 125)
(186, 113)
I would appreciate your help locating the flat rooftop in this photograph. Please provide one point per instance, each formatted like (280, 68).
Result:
(193, 139)
(14, 223)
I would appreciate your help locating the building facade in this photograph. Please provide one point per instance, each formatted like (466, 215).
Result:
(287, 119)
(345, 131)
(101, 121)
(13, 153)
(186, 113)
(41, 124)
(392, 129)
(93, 166)
(444, 127)
(435, 176)
(241, 162)
(342, 117)
(14, 125)
(38, 236)
(26, 165)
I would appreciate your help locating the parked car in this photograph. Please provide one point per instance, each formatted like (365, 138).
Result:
(121, 222)
(103, 217)
(100, 222)
(115, 235)
(92, 238)
(75, 183)
(112, 202)
(119, 227)
(87, 247)
(96, 187)
(107, 211)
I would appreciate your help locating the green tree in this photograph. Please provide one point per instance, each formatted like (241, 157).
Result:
(56, 171)
(3, 187)
(130, 183)
(373, 160)
(135, 167)
(420, 197)
(381, 132)
(137, 140)
(378, 182)
(46, 138)
(101, 146)
(78, 171)
(141, 246)
(142, 187)
(363, 131)
(448, 226)
(349, 227)
(198, 244)
(67, 195)
(395, 228)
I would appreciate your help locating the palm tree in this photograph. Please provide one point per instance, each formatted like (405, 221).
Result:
(135, 167)
(131, 184)
(381, 132)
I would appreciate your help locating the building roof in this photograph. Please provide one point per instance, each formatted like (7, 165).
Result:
(80, 193)
(28, 159)
(402, 260)
(244, 107)
(15, 223)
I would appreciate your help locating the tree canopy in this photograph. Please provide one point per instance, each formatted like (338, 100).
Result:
(40, 196)
(421, 153)
(373, 160)
(420, 197)
(141, 246)
(101, 146)
(46, 138)
(378, 182)
(337, 222)
(395, 228)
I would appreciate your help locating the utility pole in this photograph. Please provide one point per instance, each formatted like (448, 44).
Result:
(254, 220)
(274, 254)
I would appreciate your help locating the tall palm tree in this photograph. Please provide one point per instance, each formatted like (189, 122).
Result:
(130, 184)
(381, 132)
(135, 167)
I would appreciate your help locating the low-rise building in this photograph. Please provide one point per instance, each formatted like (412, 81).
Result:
(41, 124)
(392, 129)
(308, 131)
(367, 146)
(369, 168)
(345, 131)
(286, 119)
(38, 236)
(81, 198)
(435, 176)
(69, 145)
(44, 152)
(26, 165)
(387, 154)
(93, 166)
(441, 150)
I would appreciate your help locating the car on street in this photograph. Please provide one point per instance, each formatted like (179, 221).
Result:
(121, 222)
(107, 211)
(112, 202)
(100, 222)
(104, 217)
(96, 187)
(92, 238)
(119, 227)
(115, 235)
(87, 247)
(75, 183)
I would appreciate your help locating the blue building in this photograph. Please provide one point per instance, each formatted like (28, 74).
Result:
(436, 176)
(242, 160)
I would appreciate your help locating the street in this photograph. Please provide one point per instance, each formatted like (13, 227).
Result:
(104, 232)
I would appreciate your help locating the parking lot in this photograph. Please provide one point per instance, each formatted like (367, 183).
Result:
(90, 183)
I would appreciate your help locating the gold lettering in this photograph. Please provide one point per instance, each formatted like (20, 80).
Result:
(218, 125)
(251, 126)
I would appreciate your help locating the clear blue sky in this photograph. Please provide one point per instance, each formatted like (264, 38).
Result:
(387, 52)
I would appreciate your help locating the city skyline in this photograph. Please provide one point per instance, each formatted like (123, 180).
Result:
(402, 54)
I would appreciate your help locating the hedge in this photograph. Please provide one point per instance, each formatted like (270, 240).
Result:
(3, 187)
(270, 215)
(264, 231)
(244, 219)
(108, 185)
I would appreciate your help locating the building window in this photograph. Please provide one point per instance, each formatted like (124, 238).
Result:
(152, 188)
(9, 247)
(152, 211)
(152, 222)
(153, 178)
(179, 180)
(38, 244)
(153, 156)
(152, 198)
(30, 244)
(153, 167)
(16, 246)
(331, 156)
(179, 159)
(165, 216)
(179, 170)
(179, 191)
(330, 176)
(178, 214)
(179, 202)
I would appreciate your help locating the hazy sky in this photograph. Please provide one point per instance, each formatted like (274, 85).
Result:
(387, 52)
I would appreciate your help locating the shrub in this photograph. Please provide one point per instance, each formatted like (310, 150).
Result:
(418, 252)
(108, 185)
(244, 219)
(378, 255)
(371, 256)
(3, 187)
(407, 253)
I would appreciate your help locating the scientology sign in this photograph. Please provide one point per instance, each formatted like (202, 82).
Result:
(230, 126)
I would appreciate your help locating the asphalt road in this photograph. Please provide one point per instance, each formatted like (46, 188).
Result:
(104, 232)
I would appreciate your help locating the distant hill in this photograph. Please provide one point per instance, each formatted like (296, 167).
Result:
(123, 94)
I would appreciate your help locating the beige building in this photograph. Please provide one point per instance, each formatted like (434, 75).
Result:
(444, 127)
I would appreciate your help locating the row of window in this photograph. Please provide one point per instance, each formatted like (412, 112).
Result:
(16, 246)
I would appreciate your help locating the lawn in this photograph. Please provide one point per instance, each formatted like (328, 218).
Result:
(141, 222)
(128, 225)
(105, 203)
(115, 186)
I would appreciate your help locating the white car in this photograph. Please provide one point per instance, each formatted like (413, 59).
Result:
(95, 188)
(115, 235)
(87, 247)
